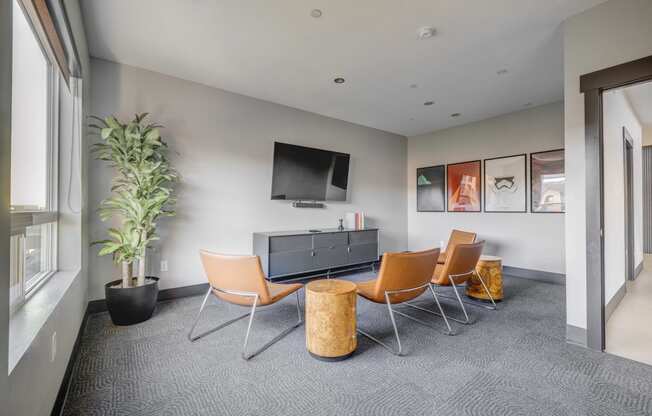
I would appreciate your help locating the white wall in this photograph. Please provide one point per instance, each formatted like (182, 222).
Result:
(222, 145)
(526, 240)
(618, 114)
(612, 33)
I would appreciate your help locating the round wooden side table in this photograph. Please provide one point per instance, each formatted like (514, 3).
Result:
(490, 268)
(330, 319)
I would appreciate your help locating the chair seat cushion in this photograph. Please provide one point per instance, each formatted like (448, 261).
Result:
(366, 290)
(277, 291)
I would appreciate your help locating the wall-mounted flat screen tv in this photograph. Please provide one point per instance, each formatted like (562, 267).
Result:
(309, 174)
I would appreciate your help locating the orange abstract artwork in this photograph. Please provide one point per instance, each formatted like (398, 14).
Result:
(464, 187)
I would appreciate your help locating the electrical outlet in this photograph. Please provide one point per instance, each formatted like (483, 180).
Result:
(164, 265)
(53, 347)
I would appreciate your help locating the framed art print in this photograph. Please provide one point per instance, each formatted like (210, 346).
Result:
(505, 181)
(431, 189)
(464, 194)
(548, 182)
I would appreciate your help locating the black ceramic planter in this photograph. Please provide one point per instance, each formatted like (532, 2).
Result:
(131, 305)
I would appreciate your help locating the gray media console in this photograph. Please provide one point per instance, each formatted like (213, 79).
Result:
(287, 253)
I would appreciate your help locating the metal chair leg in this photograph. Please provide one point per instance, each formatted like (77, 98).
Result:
(486, 289)
(251, 319)
(471, 303)
(398, 351)
(210, 331)
(274, 340)
(443, 315)
(441, 312)
(459, 299)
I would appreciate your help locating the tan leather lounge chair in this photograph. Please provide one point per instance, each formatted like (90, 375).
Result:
(402, 277)
(457, 270)
(240, 280)
(456, 237)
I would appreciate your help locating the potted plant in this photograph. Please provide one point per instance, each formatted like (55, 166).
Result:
(141, 193)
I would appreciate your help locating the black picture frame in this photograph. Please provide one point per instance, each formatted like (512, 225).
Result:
(525, 183)
(479, 186)
(440, 172)
(532, 185)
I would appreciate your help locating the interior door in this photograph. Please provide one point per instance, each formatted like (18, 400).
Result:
(628, 158)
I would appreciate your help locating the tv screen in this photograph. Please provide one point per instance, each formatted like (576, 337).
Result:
(305, 173)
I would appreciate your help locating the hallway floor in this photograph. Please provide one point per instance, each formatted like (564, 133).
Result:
(629, 330)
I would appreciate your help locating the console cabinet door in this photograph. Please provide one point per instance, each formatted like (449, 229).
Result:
(360, 253)
(291, 262)
(333, 256)
(363, 237)
(290, 243)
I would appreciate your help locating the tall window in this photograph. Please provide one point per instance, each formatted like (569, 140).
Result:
(33, 162)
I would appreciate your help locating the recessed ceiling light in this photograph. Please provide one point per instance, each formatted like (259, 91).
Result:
(427, 32)
(413, 85)
(339, 80)
(429, 103)
(456, 115)
(316, 13)
(502, 71)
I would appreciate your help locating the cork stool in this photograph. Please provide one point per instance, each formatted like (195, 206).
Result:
(491, 270)
(330, 319)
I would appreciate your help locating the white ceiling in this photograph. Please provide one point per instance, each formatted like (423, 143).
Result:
(275, 51)
(640, 98)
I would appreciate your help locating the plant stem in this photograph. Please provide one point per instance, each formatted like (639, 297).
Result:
(141, 270)
(126, 274)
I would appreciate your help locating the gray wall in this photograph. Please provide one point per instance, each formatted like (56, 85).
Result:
(537, 242)
(647, 199)
(222, 144)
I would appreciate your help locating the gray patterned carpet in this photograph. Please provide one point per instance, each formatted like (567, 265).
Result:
(510, 362)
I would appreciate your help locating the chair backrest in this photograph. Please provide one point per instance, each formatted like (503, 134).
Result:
(235, 273)
(400, 271)
(459, 237)
(461, 261)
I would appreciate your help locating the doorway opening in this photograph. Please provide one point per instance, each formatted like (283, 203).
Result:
(627, 116)
(594, 86)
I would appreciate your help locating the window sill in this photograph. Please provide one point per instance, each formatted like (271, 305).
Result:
(27, 321)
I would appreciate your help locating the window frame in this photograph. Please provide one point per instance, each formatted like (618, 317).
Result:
(23, 217)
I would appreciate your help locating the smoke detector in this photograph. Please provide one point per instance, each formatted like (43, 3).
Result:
(427, 32)
(316, 13)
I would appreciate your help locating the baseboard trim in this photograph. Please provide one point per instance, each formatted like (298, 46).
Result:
(60, 401)
(538, 275)
(614, 302)
(638, 270)
(576, 336)
(99, 305)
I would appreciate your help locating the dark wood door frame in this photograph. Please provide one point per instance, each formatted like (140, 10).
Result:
(592, 85)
